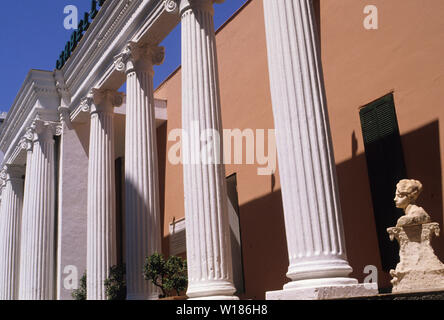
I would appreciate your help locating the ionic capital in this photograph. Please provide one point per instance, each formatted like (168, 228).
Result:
(12, 172)
(2, 186)
(28, 139)
(25, 144)
(45, 130)
(198, 5)
(86, 103)
(62, 89)
(104, 100)
(65, 116)
(137, 57)
(171, 6)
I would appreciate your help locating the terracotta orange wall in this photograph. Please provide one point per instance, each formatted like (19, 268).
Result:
(403, 56)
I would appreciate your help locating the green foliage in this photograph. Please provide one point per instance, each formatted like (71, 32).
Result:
(115, 285)
(80, 293)
(170, 275)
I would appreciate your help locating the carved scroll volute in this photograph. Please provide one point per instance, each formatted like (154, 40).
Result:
(4, 174)
(11, 172)
(121, 60)
(139, 56)
(62, 89)
(86, 103)
(27, 141)
(171, 6)
(65, 118)
(58, 129)
(107, 98)
(43, 130)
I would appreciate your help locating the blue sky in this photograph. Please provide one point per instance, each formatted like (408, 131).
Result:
(33, 36)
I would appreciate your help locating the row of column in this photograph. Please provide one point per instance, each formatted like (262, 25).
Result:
(208, 235)
(10, 222)
(27, 220)
(313, 219)
(307, 169)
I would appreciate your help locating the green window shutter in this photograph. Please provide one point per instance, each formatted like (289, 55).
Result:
(385, 164)
(378, 120)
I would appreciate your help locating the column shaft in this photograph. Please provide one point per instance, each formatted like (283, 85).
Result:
(3, 238)
(143, 230)
(11, 213)
(208, 234)
(24, 258)
(101, 251)
(37, 250)
(3, 258)
(312, 210)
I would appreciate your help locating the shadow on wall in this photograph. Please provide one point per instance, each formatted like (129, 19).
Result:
(264, 245)
(423, 162)
(121, 187)
(162, 159)
(262, 221)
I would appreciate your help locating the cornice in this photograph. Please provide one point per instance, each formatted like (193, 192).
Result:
(91, 66)
(94, 42)
(37, 92)
(118, 23)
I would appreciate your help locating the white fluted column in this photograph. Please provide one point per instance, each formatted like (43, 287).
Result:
(10, 235)
(318, 263)
(101, 251)
(142, 208)
(26, 144)
(3, 230)
(37, 245)
(210, 273)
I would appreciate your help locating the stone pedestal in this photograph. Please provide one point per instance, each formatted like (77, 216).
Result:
(322, 292)
(419, 269)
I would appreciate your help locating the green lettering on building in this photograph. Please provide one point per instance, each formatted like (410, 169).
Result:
(77, 35)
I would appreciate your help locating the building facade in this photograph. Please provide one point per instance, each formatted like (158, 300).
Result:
(93, 177)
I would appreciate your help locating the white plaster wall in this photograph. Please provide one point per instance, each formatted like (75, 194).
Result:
(72, 224)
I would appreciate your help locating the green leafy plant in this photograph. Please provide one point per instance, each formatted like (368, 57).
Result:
(115, 285)
(80, 293)
(168, 275)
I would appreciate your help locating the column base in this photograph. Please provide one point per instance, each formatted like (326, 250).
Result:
(216, 298)
(141, 297)
(212, 290)
(325, 292)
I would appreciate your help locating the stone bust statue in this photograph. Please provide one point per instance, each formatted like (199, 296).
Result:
(407, 192)
(419, 268)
